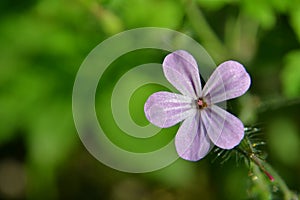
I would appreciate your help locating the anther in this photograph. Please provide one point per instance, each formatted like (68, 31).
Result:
(201, 103)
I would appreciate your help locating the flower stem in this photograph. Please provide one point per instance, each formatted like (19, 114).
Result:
(204, 32)
(274, 177)
(288, 194)
(248, 149)
(258, 162)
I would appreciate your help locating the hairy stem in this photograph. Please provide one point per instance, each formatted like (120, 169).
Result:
(288, 194)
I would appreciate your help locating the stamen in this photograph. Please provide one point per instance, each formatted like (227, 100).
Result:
(201, 103)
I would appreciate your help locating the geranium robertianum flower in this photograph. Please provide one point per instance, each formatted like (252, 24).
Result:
(204, 123)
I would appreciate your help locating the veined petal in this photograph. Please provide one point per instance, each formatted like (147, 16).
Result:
(228, 81)
(191, 141)
(165, 109)
(181, 70)
(224, 129)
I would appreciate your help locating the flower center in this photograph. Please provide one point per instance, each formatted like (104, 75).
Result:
(201, 103)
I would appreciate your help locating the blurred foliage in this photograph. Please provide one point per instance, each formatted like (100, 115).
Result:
(280, 141)
(291, 75)
(43, 43)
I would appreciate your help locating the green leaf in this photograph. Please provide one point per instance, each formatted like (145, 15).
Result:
(295, 19)
(214, 4)
(261, 11)
(290, 75)
(137, 13)
(280, 5)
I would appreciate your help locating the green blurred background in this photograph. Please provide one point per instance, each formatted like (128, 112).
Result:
(44, 42)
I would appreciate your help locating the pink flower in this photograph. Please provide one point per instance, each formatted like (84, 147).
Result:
(204, 123)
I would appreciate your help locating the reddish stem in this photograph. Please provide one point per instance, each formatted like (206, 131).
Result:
(258, 163)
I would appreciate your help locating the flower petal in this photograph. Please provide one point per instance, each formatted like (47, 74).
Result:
(165, 109)
(181, 70)
(228, 81)
(191, 141)
(224, 129)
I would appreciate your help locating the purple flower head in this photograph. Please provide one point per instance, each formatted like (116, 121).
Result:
(204, 123)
